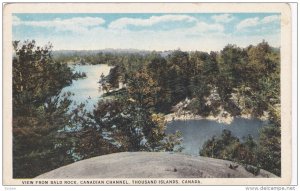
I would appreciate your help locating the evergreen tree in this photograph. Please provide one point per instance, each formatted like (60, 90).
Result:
(38, 112)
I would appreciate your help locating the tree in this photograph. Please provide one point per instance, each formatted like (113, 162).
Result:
(143, 89)
(38, 112)
(231, 63)
(121, 124)
(229, 147)
(264, 153)
(178, 75)
(157, 69)
(203, 83)
(269, 151)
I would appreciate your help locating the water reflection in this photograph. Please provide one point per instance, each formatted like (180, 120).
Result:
(196, 132)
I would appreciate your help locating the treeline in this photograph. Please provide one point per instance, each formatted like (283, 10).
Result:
(107, 56)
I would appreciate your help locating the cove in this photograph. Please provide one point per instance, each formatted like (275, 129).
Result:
(196, 132)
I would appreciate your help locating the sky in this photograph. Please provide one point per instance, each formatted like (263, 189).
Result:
(146, 31)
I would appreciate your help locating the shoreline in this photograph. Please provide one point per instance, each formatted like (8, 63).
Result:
(220, 119)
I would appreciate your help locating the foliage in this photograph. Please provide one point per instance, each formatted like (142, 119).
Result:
(121, 124)
(269, 149)
(77, 75)
(245, 79)
(229, 147)
(38, 112)
(143, 89)
(264, 153)
(237, 80)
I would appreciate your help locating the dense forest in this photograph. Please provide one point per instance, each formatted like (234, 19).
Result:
(235, 81)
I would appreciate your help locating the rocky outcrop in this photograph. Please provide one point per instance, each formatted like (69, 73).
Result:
(152, 165)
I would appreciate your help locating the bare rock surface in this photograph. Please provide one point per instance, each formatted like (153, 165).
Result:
(152, 165)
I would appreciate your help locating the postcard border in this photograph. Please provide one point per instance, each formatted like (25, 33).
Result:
(286, 65)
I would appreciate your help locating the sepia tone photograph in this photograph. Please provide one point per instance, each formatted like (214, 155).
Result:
(171, 94)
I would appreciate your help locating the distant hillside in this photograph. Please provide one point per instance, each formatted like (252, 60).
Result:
(110, 50)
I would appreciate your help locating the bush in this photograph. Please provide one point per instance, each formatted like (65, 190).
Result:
(265, 154)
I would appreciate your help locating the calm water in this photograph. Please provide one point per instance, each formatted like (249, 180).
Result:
(196, 132)
(86, 90)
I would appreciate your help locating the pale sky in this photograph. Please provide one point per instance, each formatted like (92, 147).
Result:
(186, 31)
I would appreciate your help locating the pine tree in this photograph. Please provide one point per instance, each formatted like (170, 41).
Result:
(38, 112)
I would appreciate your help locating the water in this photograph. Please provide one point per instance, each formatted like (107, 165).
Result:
(86, 90)
(196, 132)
